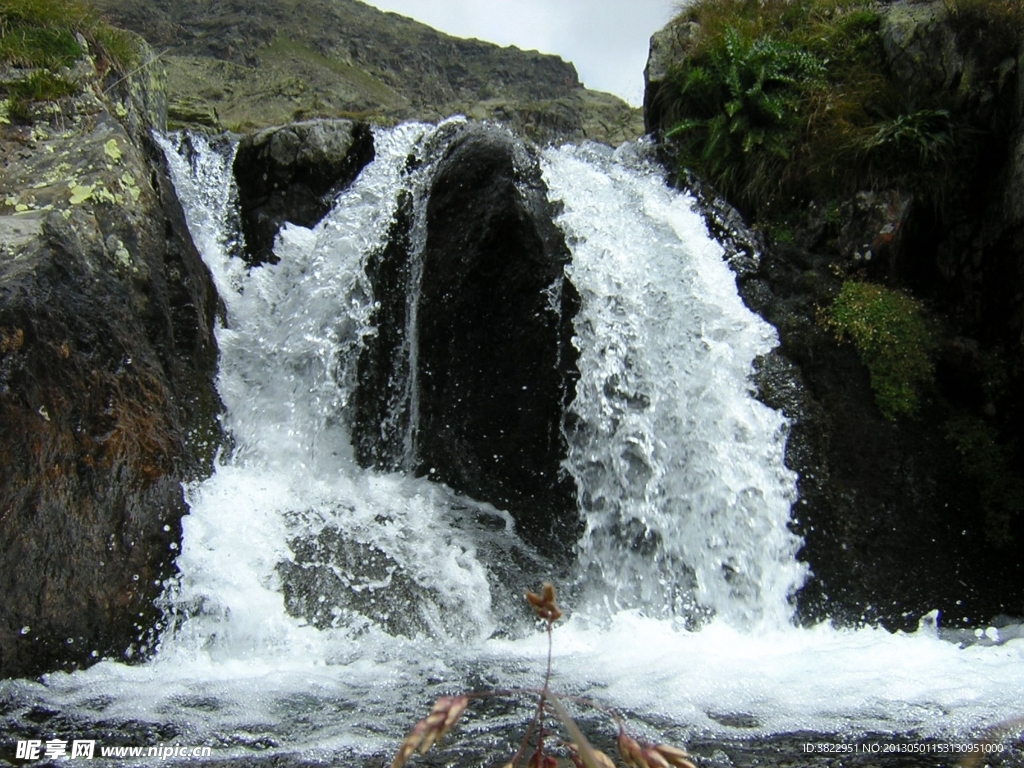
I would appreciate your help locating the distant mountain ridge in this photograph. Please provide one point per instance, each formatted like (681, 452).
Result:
(246, 64)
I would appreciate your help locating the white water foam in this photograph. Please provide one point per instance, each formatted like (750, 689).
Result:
(665, 350)
(288, 352)
(681, 469)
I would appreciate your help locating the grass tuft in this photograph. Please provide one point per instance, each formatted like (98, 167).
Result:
(47, 36)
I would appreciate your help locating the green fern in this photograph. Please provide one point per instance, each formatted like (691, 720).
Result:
(744, 96)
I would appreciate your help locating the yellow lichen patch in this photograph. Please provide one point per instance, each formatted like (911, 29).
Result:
(129, 186)
(121, 254)
(103, 195)
(111, 150)
(19, 204)
(79, 193)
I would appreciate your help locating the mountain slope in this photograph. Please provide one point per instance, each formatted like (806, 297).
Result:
(245, 64)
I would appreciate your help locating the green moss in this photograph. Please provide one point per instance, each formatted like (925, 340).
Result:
(888, 330)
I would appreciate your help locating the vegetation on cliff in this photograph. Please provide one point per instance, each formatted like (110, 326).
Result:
(888, 331)
(783, 102)
(41, 41)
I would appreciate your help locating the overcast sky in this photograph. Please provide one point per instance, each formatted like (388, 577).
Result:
(606, 39)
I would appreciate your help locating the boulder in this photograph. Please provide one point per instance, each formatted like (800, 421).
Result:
(494, 366)
(669, 46)
(293, 173)
(921, 46)
(107, 360)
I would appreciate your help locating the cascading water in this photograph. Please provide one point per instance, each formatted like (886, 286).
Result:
(321, 607)
(680, 469)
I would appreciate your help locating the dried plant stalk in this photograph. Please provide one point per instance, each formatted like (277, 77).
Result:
(448, 709)
(446, 712)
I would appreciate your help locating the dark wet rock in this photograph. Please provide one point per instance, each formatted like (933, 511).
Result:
(332, 580)
(337, 578)
(496, 361)
(495, 364)
(106, 381)
(743, 246)
(292, 173)
(383, 433)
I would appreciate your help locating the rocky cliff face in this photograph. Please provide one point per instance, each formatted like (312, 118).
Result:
(897, 514)
(253, 64)
(106, 375)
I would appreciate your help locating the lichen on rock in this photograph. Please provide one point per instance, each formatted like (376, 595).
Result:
(106, 375)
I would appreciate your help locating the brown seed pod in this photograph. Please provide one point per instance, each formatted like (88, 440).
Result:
(544, 603)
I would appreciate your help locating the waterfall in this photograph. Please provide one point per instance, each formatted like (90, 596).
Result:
(680, 469)
(321, 606)
(349, 549)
